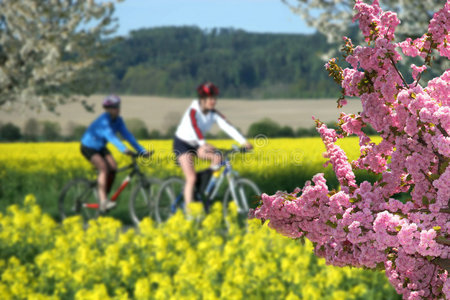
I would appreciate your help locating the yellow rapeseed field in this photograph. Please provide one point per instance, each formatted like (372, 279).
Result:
(181, 259)
(44, 168)
(269, 156)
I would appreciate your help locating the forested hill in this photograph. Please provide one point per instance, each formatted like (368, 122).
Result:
(172, 61)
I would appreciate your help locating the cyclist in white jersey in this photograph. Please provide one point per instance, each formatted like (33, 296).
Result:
(190, 135)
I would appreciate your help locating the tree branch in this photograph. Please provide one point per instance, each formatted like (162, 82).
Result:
(442, 130)
(442, 210)
(443, 241)
(398, 72)
(444, 263)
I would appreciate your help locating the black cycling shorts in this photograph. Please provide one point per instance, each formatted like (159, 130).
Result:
(89, 152)
(181, 147)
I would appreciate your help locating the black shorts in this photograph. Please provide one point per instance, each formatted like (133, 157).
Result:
(181, 147)
(89, 152)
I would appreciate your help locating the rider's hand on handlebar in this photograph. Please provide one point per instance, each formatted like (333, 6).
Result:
(128, 152)
(248, 146)
(146, 154)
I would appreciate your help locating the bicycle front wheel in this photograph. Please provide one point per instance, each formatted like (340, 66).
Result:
(75, 198)
(244, 192)
(170, 196)
(143, 198)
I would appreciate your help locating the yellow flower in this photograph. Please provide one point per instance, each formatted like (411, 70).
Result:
(142, 289)
(30, 200)
(126, 269)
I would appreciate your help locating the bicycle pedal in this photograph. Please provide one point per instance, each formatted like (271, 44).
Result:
(110, 205)
(104, 207)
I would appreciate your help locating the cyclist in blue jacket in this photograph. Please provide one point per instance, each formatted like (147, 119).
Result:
(93, 146)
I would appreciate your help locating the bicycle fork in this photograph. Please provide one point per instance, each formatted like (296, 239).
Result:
(232, 186)
(122, 186)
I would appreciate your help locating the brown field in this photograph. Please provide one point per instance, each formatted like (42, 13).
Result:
(160, 113)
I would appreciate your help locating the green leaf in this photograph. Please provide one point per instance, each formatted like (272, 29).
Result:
(331, 224)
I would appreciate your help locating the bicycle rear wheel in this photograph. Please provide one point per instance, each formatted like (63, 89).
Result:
(75, 197)
(246, 191)
(170, 196)
(143, 200)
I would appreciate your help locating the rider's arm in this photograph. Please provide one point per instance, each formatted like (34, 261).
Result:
(106, 131)
(128, 136)
(198, 133)
(229, 129)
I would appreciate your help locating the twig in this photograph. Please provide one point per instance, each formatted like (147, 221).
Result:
(427, 177)
(420, 75)
(398, 72)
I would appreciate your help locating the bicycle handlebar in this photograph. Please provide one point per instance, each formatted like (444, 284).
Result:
(226, 152)
(136, 155)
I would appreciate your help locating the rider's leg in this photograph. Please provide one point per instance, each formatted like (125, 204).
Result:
(112, 169)
(186, 161)
(101, 165)
(210, 153)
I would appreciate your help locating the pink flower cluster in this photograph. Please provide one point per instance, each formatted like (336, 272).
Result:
(373, 21)
(439, 29)
(437, 35)
(402, 221)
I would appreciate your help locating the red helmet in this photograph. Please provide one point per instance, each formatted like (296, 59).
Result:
(207, 89)
(111, 101)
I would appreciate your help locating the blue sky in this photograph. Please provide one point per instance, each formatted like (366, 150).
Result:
(250, 15)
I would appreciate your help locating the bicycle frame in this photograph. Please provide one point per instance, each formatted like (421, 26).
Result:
(213, 187)
(134, 171)
(215, 183)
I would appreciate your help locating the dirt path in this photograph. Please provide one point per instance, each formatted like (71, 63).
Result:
(160, 113)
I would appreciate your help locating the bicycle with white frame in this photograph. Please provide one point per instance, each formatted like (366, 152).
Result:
(238, 190)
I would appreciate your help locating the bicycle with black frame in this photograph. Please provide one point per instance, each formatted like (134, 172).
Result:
(80, 196)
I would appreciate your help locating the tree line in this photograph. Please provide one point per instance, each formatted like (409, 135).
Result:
(172, 61)
(40, 131)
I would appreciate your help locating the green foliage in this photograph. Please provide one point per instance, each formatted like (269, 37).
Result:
(286, 131)
(306, 131)
(138, 128)
(265, 127)
(10, 132)
(270, 128)
(171, 61)
(76, 131)
(31, 130)
(51, 131)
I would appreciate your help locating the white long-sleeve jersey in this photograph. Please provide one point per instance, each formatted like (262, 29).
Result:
(194, 125)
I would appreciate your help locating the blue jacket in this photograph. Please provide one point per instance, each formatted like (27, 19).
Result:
(104, 129)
